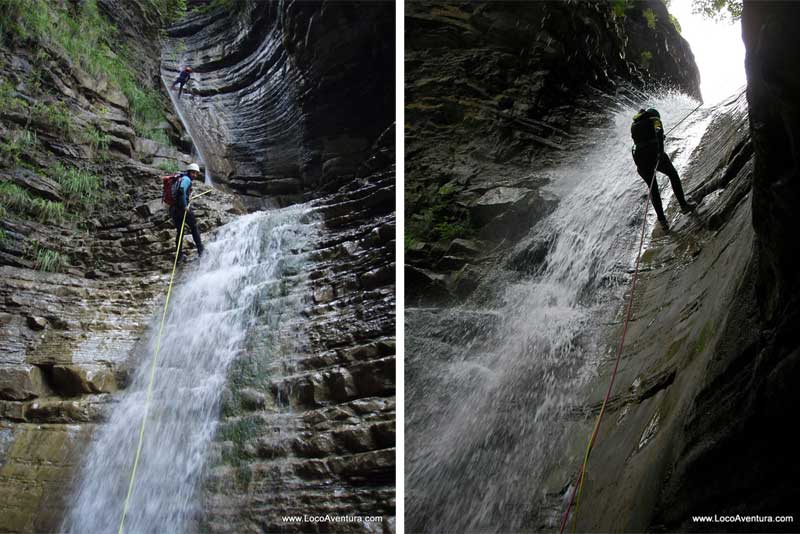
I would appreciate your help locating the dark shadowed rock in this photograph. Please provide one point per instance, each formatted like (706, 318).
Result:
(22, 382)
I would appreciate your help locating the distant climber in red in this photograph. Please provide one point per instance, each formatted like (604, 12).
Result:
(182, 78)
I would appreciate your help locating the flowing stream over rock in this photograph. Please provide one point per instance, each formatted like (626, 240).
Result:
(491, 382)
(239, 283)
(176, 105)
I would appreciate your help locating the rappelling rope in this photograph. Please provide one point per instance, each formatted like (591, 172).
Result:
(153, 367)
(578, 488)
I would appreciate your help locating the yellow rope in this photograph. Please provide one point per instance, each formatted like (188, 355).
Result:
(153, 367)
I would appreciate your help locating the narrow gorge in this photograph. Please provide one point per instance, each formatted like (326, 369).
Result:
(275, 391)
(523, 223)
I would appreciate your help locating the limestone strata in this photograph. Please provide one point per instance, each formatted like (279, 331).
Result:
(287, 97)
(323, 440)
(690, 305)
(715, 331)
(67, 339)
(291, 101)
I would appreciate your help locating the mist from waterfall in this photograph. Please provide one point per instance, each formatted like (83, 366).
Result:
(238, 284)
(176, 105)
(491, 384)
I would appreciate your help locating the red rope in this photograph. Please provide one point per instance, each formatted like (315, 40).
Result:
(582, 472)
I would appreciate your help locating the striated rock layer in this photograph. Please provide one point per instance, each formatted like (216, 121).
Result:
(316, 127)
(290, 101)
(287, 96)
(66, 338)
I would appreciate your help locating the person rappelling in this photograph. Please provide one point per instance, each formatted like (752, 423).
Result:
(648, 154)
(177, 193)
(182, 79)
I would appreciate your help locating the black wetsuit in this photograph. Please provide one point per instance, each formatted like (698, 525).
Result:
(648, 136)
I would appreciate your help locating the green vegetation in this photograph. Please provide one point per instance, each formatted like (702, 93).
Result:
(97, 140)
(55, 114)
(239, 432)
(47, 210)
(2, 232)
(88, 39)
(619, 7)
(21, 202)
(409, 241)
(15, 198)
(159, 136)
(45, 259)
(82, 189)
(438, 218)
(719, 10)
(170, 10)
(650, 17)
(170, 166)
(8, 101)
(12, 150)
(448, 231)
(674, 20)
(646, 58)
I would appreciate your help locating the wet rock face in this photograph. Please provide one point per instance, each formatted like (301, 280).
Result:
(713, 439)
(673, 406)
(323, 413)
(288, 113)
(497, 92)
(288, 97)
(291, 101)
(743, 464)
(67, 338)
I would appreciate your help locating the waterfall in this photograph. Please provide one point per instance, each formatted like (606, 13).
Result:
(186, 124)
(491, 384)
(238, 285)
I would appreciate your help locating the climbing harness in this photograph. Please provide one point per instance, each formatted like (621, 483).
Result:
(153, 367)
(578, 488)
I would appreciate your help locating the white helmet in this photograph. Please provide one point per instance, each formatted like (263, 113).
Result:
(193, 167)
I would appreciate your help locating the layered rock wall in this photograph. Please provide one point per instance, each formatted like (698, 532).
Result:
(292, 100)
(314, 126)
(288, 97)
(79, 188)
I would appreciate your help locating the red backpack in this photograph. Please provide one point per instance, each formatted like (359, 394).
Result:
(169, 188)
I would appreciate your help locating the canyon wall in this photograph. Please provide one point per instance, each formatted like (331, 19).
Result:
(288, 97)
(698, 423)
(294, 117)
(497, 93)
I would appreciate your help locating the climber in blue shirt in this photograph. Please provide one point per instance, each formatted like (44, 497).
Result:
(183, 194)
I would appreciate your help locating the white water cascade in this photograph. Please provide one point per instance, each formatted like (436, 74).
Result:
(176, 105)
(237, 285)
(491, 384)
